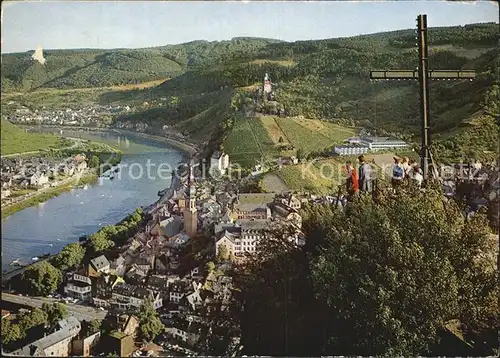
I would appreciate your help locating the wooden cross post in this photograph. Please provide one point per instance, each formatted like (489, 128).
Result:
(423, 74)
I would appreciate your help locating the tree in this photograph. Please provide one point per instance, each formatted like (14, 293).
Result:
(42, 279)
(376, 278)
(100, 241)
(223, 253)
(11, 332)
(94, 161)
(92, 327)
(300, 154)
(150, 325)
(55, 312)
(210, 266)
(32, 319)
(71, 256)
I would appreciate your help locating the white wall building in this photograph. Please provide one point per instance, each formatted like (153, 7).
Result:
(378, 143)
(350, 149)
(219, 161)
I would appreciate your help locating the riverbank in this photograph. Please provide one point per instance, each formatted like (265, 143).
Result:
(185, 146)
(37, 198)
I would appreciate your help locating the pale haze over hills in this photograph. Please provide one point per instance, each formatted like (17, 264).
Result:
(67, 25)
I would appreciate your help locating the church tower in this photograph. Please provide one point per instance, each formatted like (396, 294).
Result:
(190, 213)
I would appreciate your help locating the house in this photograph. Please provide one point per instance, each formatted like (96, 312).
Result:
(287, 214)
(128, 297)
(291, 201)
(185, 331)
(244, 210)
(83, 346)
(5, 194)
(179, 240)
(377, 143)
(177, 291)
(38, 179)
(98, 265)
(350, 149)
(119, 343)
(194, 298)
(57, 344)
(219, 162)
(80, 287)
(103, 288)
(172, 225)
(119, 266)
(242, 237)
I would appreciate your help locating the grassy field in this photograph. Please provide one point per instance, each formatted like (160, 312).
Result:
(248, 142)
(259, 137)
(312, 135)
(273, 129)
(333, 131)
(304, 177)
(17, 140)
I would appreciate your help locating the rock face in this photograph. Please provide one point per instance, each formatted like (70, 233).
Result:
(38, 55)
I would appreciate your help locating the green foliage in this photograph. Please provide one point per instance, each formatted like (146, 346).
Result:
(55, 312)
(11, 332)
(100, 242)
(42, 279)
(93, 161)
(374, 279)
(210, 266)
(32, 319)
(70, 257)
(222, 254)
(112, 235)
(17, 140)
(150, 325)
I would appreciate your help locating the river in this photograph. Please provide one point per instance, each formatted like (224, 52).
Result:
(48, 227)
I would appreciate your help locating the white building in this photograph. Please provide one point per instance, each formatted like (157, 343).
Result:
(80, 287)
(219, 161)
(377, 143)
(350, 149)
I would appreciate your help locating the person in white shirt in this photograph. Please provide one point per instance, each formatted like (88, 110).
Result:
(417, 175)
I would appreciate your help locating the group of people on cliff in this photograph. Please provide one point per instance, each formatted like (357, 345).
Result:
(362, 179)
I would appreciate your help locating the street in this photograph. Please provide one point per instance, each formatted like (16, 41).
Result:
(80, 312)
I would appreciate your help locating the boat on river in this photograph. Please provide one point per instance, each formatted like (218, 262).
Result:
(16, 262)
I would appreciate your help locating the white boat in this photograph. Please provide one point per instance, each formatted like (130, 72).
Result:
(16, 262)
(85, 187)
(35, 258)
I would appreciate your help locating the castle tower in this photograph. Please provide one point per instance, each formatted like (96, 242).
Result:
(190, 213)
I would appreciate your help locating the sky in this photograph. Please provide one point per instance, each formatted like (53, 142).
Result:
(135, 24)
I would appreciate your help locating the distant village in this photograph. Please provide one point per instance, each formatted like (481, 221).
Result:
(28, 175)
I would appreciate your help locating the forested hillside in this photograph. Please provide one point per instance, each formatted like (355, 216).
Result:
(320, 79)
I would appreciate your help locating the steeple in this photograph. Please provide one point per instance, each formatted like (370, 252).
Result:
(190, 213)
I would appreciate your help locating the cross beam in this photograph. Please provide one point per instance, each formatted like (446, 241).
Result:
(423, 74)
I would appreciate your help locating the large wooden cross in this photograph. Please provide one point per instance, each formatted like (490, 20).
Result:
(423, 74)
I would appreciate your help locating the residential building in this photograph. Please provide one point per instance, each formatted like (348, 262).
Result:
(57, 344)
(120, 343)
(38, 179)
(98, 265)
(350, 149)
(80, 287)
(83, 346)
(219, 162)
(129, 297)
(185, 331)
(378, 143)
(242, 237)
(176, 291)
